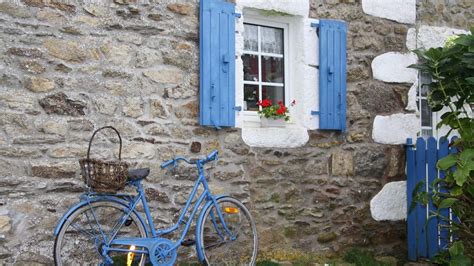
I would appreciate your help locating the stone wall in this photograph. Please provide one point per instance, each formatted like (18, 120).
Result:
(69, 67)
(455, 14)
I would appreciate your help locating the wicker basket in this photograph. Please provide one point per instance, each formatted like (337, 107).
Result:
(104, 176)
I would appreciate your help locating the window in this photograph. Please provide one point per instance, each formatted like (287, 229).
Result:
(426, 115)
(265, 64)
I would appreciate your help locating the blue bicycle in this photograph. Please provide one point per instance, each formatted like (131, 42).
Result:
(103, 229)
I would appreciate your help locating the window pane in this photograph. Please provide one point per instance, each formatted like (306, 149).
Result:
(275, 94)
(250, 37)
(250, 97)
(272, 69)
(272, 40)
(250, 67)
(425, 114)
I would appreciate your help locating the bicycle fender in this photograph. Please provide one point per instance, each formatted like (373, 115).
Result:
(199, 223)
(82, 203)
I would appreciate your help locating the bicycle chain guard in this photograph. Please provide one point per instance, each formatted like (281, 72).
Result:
(162, 254)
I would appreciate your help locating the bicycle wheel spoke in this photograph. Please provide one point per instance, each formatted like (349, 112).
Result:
(238, 244)
(83, 231)
(81, 240)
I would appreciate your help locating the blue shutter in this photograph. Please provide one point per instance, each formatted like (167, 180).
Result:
(217, 63)
(332, 74)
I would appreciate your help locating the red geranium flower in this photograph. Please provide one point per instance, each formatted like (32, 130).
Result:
(281, 110)
(265, 103)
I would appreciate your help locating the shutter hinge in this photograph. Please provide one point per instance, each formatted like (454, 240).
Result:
(314, 25)
(315, 113)
(237, 15)
(237, 108)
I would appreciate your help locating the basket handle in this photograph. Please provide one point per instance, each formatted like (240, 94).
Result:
(93, 135)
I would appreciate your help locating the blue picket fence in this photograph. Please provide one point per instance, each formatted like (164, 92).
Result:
(425, 236)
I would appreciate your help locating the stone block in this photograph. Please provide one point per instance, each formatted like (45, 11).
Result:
(158, 109)
(395, 129)
(392, 67)
(158, 130)
(117, 54)
(54, 170)
(390, 203)
(65, 50)
(182, 9)
(39, 84)
(52, 4)
(165, 74)
(20, 152)
(20, 102)
(5, 224)
(26, 52)
(326, 237)
(52, 127)
(156, 195)
(370, 161)
(32, 66)
(139, 151)
(51, 17)
(61, 104)
(133, 107)
(14, 10)
(342, 163)
(68, 152)
(106, 105)
(403, 11)
(80, 125)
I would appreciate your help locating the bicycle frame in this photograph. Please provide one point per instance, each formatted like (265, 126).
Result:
(152, 232)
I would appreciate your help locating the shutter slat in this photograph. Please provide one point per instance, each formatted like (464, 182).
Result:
(217, 73)
(332, 74)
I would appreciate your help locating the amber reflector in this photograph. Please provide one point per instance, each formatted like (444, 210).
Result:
(130, 256)
(231, 210)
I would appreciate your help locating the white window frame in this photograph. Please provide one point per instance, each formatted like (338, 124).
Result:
(431, 129)
(252, 116)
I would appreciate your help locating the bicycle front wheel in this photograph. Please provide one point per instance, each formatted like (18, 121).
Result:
(80, 241)
(217, 245)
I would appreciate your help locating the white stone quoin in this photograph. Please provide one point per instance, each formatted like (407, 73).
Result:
(411, 104)
(390, 204)
(429, 36)
(403, 11)
(392, 67)
(395, 129)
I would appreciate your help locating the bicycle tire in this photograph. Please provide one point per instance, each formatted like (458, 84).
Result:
(221, 253)
(79, 257)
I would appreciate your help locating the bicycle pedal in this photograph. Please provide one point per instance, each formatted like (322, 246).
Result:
(188, 242)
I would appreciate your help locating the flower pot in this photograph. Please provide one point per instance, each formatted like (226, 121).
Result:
(271, 122)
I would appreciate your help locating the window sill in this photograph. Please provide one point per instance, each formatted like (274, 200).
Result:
(291, 136)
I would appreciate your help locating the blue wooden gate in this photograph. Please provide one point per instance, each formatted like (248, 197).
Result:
(425, 236)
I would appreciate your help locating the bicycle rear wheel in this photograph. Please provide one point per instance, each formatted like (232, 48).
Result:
(80, 242)
(217, 246)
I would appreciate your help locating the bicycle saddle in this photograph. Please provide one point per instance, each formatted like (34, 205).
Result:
(138, 174)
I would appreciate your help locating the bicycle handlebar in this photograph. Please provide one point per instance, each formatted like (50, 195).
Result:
(210, 157)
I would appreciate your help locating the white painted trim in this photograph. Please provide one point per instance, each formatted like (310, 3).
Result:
(302, 76)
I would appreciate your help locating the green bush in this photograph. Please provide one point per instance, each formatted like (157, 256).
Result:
(452, 70)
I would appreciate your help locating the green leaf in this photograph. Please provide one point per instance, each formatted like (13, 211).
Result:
(456, 249)
(446, 203)
(447, 162)
(460, 260)
(456, 191)
(461, 175)
(470, 190)
(466, 155)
